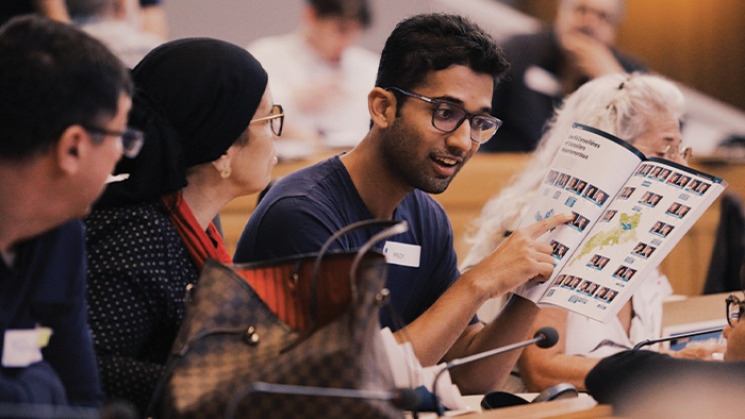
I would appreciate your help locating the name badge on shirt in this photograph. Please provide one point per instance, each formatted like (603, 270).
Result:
(22, 347)
(402, 254)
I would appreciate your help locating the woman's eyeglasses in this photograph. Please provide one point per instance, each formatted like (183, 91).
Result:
(276, 119)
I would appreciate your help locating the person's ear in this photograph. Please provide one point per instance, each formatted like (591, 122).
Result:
(222, 165)
(382, 106)
(71, 148)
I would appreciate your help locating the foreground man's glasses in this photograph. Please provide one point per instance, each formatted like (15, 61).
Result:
(447, 117)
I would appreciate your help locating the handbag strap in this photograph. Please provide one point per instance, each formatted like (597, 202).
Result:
(393, 227)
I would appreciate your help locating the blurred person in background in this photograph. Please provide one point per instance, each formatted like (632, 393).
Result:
(153, 17)
(320, 76)
(52, 9)
(113, 23)
(548, 65)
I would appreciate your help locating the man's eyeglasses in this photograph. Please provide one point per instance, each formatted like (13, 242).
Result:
(735, 310)
(276, 119)
(447, 117)
(131, 139)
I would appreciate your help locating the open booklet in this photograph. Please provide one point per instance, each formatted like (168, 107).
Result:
(629, 212)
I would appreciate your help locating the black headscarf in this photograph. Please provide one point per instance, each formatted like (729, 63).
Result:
(193, 99)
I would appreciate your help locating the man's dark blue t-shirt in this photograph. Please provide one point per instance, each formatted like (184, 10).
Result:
(305, 208)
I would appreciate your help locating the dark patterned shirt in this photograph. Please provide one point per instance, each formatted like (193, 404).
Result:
(138, 269)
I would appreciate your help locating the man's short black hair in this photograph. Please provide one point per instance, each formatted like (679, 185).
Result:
(358, 10)
(433, 42)
(52, 76)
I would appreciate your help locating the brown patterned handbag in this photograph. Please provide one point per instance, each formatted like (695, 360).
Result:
(302, 321)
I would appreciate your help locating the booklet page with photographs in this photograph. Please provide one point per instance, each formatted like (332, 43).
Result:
(629, 212)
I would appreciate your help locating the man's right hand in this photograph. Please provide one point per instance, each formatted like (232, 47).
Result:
(521, 257)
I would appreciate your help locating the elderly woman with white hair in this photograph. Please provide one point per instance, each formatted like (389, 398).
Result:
(644, 110)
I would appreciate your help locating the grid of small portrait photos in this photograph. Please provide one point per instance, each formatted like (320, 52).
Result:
(643, 250)
(585, 287)
(577, 186)
(672, 177)
(677, 210)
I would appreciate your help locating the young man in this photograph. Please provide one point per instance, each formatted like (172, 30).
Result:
(63, 117)
(430, 111)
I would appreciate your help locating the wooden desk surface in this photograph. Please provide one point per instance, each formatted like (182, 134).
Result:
(701, 308)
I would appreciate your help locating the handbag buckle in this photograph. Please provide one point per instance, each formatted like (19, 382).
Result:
(383, 297)
(250, 336)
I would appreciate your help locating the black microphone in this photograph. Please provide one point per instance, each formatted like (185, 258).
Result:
(680, 336)
(544, 337)
(403, 398)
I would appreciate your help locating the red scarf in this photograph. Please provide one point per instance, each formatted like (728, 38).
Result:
(199, 243)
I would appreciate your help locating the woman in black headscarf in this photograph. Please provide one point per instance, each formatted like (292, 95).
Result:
(209, 124)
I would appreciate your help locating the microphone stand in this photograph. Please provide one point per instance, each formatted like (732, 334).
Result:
(680, 336)
(539, 337)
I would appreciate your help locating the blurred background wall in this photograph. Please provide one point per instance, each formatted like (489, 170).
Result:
(698, 43)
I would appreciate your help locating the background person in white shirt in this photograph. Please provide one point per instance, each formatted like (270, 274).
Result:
(319, 75)
(114, 22)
